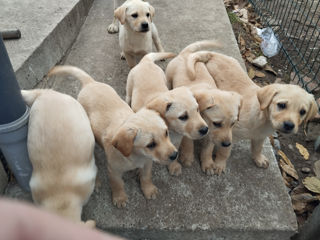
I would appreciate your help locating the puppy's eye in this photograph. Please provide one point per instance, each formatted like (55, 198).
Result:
(135, 15)
(166, 134)
(184, 117)
(151, 145)
(217, 124)
(281, 105)
(302, 112)
(148, 14)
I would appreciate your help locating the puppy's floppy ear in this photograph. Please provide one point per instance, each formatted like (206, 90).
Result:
(266, 94)
(123, 140)
(160, 105)
(152, 11)
(204, 99)
(120, 14)
(312, 111)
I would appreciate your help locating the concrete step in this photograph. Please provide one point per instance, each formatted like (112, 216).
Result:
(245, 203)
(48, 29)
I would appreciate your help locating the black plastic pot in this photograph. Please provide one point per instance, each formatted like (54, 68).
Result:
(14, 116)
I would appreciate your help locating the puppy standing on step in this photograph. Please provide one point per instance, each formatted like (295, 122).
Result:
(146, 86)
(220, 109)
(130, 140)
(279, 107)
(60, 146)
(137, 31)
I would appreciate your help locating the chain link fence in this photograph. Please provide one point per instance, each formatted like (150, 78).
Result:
(297, 27)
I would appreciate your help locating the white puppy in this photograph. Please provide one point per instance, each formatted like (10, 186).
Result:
(137, 31)
(60, 145)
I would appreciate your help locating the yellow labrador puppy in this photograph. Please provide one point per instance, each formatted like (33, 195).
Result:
(137, 31)
(60, 145)
(146, 86)
(130, 140)
(279, 107)
(220, 109)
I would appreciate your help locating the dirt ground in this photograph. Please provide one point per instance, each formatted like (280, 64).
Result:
(303, 200)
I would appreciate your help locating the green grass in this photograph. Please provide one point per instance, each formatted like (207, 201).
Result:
(233, 17)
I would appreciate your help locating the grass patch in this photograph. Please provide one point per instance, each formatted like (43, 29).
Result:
(233, 18)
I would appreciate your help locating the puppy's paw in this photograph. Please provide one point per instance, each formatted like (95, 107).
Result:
(113, 28)
(150, 191)
(120, 200)
(208, 167)
(219, 167)
(186, 160)
(90, 223)
(261, 161)
(122, 57)
(175, 168)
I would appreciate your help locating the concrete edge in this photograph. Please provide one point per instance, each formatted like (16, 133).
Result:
(54, 46)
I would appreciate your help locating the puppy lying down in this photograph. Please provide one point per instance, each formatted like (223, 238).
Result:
(130, 140)
(146, 86)
(60, 146)
(220, 109)
(280, 107)
(137, 32)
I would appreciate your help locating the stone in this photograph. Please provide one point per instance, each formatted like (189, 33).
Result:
(260, 62)
(305, 170)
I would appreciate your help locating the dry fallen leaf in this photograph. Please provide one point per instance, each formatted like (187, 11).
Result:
(288, 169)
(303, 197)
(285, 158)
(300, 202)
(259, 74)
(303, 151)
(268, 68)
(316, 168)
(251, 73)
(299, 189)
(312, 184)
(287, 180)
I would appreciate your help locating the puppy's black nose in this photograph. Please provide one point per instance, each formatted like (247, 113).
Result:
(173, 156)
(225, 144)
(203, 130)
(144, 26)
(288, 126)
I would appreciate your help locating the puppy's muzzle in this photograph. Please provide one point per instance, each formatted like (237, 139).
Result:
(203, 131)
(144, 27)
(173, 156)
(287, 126)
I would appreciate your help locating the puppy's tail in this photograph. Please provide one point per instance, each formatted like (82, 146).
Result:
(157, 56)
(201, 56)
(200, 45)
(29, 96)
(73, 71)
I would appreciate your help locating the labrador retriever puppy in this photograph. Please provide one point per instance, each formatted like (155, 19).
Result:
(220, 109)
(147, 87)
(137, 31)
(60, 146)
(130, 140)
(280, 107)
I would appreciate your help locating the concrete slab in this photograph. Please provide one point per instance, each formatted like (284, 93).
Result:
(245, 203)
(48, 29)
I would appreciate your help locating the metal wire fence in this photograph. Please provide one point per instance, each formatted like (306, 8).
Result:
(297, 27)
